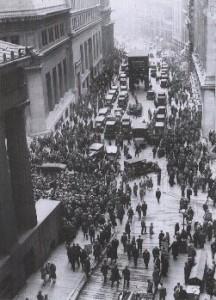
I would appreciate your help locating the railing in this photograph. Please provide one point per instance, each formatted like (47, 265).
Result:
(30, 12)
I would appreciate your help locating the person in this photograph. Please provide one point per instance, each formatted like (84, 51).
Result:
(87, 266)
(40, 296)
(151, 230)
(124, 241)
(128, 229)
(182, 294)
(138, 210)
(104, 270)
(175, 249)
(130, 214)
(139, 244)
(149, 286)
(115, 275)
(52, 274)
(143, 225)
(158, 195)
(146, 258)
(154, 151)
(135, 254)
(144, 207)
(160, 238)
(126, 275)
(156, 277)
(162, 292)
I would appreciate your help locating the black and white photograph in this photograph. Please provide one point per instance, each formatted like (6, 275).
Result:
(107, 150)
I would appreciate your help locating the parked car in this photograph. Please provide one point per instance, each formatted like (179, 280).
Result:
(108, 101)
(114, 93)
(150, 95)
(96, 150)
(118, 112)
(104, 111)
(123, 99)
(126, 126)
(111, 152)
(141, 166)
(163, 83)
(139, 133)
(135, 109)
(161, 110)
(160, 117)
(110, 130)
(99, 123)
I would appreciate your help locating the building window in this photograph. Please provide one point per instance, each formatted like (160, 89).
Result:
(62, 31)
(94, 46)
(51, 35)
(65, 74)
(15, 39)
(60, 80)
(49, 91)
(56, 32)
(82, 58)
(86, 55)
(44, 37)
(55, 85)
(66, 113)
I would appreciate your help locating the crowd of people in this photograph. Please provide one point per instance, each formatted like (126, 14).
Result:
(92, 200)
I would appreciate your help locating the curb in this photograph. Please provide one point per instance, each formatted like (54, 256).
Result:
(76, 292)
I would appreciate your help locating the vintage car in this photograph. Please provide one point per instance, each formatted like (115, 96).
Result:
(113, 93)
(111, 152)
(48, 168)
(153, 70)
(104, 111)
(123, 81)
(96, 150)
(123, 99)
(160, 117)
(123, 88)
(99, 123)
(126, 126)
(141, 166)
(118, 112)
(135, 109)
(150, 95)
(159, 127)
(163, 83)
(161, 100)
(161, 110)
(139, 133)
(110, 130)
(108, 101)
(116, 88)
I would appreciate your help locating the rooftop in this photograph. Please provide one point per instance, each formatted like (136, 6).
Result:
(10, 52)
(16, 8)
(138, 52)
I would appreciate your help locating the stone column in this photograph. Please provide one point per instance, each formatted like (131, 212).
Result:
(8, 228)
(22, 190)
(208, 114)
(37, 99)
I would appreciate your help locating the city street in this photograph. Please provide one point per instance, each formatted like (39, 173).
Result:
(163, 215)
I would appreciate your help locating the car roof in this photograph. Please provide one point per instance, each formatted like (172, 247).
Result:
(96, 146)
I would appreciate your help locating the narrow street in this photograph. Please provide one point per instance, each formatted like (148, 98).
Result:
(164, 216)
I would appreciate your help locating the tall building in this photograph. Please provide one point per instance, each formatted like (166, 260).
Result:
(180, 19)
(44, 25)
(202, 38)
(27, 230)
(160, 20)
(86, 42)
(107, 27)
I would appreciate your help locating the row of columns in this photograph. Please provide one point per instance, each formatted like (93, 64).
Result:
(17, 208)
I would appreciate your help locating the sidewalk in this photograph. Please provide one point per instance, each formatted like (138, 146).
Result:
(67, 281)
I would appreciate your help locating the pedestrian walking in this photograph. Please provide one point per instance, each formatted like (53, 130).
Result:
(149, 286)
(146, 258)
(138, 210)
(104, 270)
(115, 275)
(158, 195)
(124, 241)
(128, 229)
(139, 244)
(162, 292)
(151, 230)
(126, 275)
(143, 225)
(144, 207)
